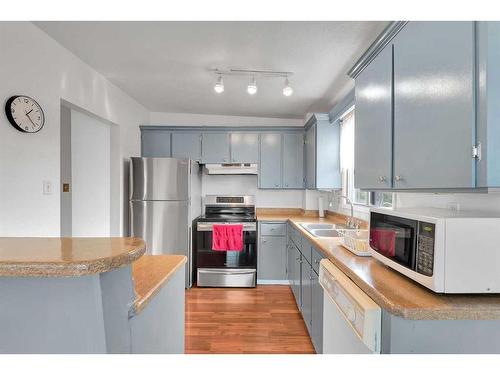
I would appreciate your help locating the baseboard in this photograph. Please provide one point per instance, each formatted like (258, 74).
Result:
(273, 282)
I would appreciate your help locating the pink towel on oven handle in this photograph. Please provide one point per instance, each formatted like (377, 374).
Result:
(227, 237)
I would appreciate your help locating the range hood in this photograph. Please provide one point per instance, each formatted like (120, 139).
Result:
(231, 168)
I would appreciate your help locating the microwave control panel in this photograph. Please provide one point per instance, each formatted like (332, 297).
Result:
(425, 249)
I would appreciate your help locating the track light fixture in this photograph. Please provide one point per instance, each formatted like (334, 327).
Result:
(219, 86)
(252, 86)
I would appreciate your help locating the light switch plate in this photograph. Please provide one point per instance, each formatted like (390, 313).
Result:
(47, 187)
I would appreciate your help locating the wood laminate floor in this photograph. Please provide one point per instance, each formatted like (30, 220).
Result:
(260, 320)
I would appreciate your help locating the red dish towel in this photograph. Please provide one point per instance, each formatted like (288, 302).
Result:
(384, 240)
(227, 237)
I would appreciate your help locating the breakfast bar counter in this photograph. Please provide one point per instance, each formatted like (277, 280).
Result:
(66, 256)
(89, 295)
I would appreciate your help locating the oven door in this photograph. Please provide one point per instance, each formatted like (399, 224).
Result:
(208, 258)
(394, 237)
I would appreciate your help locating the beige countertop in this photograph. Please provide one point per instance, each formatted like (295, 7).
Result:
(65, 256)
(392, 291)
(150, 273)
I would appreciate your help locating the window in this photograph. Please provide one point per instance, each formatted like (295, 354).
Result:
(347, 123)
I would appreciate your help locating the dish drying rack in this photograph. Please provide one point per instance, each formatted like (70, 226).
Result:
(356, 241)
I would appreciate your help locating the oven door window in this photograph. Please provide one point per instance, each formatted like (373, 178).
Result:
(394, 238)
(206, 257)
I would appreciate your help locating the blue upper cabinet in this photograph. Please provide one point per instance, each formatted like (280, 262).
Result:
(310, 157)
(186, 145)
(293, 160)
(373, 124)
(244, 147)
(155, 143)
(322, 153)
(434, 117)
(215, 147)
(270, 161)
(488, 108)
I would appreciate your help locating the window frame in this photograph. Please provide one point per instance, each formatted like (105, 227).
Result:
(347, 177)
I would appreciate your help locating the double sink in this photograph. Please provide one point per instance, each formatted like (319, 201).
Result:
(325, 230)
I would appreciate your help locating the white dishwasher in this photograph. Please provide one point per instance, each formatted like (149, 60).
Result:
(351, 319)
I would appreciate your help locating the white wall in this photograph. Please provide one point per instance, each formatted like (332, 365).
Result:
(189, 119)
(34, 64)
(90, 176)
(247, 185)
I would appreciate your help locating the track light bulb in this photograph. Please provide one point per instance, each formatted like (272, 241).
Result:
(252, 87)
(287, 90)
(219, 86)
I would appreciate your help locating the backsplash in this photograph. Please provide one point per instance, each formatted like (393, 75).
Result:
(225, 184)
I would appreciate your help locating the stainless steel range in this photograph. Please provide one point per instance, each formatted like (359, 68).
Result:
(227, 268)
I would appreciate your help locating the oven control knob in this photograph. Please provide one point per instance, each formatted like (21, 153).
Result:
(351, 314)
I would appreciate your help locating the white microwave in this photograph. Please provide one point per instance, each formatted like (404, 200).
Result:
(446, 251)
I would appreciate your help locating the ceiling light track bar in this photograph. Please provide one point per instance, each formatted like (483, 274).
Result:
(251, 72)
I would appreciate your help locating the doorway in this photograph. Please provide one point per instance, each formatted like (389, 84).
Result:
(89, 195)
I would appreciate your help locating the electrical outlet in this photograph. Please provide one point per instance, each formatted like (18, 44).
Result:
(47, 187)
(454, 206)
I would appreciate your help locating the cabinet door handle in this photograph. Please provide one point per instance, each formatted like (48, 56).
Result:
(382, 179)
(398, 178)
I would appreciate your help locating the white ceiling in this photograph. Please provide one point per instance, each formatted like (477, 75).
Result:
(166, 65)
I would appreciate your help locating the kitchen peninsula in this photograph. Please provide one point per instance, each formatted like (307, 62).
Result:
(89, 295)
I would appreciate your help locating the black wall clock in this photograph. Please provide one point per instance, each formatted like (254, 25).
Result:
(24, 113)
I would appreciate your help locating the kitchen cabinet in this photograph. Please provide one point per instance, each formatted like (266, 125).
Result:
(270, 161)
(434, 116)
(303, 269)
(322, 153)
(186, 145)
(293, 160)
(272, 253)
(316, 301)
(215, 147)
(244, 147)
(373, 122)
(155, 143)
(306, 306)
(416, 111)
(310, 157)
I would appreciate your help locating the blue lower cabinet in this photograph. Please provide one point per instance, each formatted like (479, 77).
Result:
(316, 331)
(272, 258)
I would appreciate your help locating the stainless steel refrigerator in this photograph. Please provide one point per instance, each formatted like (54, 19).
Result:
(165, 197)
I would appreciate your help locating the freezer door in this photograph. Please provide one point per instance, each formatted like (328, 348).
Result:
(159, 179)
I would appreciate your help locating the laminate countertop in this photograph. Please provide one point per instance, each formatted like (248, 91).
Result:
(66, 256)
(392, 291)
(150, 273)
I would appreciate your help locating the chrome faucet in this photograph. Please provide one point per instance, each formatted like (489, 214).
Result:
(351, 222)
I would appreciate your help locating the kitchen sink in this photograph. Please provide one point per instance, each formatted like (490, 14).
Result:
(309, 227)
(325, 233)
(324, 230)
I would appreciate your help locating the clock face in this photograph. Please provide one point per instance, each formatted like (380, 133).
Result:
(25, 114)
